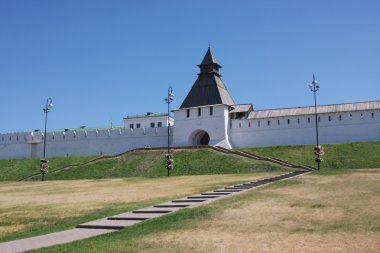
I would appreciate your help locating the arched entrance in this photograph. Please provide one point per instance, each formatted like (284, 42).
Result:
(199, 137)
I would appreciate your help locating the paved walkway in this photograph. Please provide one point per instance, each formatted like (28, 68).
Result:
(120, 221)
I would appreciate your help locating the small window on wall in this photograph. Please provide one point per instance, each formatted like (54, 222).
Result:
(350, 116)
(268, 122)
(188, 113)
(308, 120)
(372, 115)
(361, 115)
(131, 126)
(199, 112)
(340, 117)
(159, 124)
(152, 124)
(298, 121)
(138, 125)
(329, 118)
(288, 121)
(258, 123)
(211, 110)
(278, 122)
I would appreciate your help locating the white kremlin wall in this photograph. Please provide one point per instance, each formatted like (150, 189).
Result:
(362, 126)
(81, 142)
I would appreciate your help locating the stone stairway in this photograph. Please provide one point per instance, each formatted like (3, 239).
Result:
(120, 221)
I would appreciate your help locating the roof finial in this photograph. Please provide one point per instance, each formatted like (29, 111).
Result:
(209, 45)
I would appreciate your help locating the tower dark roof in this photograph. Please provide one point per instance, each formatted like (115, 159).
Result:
(209, 59)
(208, 89)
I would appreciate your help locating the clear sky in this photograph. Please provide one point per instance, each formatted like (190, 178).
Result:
(101, 60)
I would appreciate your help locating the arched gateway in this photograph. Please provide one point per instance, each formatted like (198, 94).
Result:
(199, 137)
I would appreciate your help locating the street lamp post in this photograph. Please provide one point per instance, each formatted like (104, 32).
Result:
(44, 162)
(314, 87)
(168, 100)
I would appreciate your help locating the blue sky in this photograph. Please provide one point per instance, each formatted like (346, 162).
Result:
(104, 60)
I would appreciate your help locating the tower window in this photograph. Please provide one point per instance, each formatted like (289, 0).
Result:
(298, 121)
(372, 115)
(199, 112)
(268, 122)
(350, 116)
(288, 121)
(211, 110)
(278, 122)
(258, 123)
(361, 115)
(329, 118)
(340, 117)
(308, 120)
(188, 113)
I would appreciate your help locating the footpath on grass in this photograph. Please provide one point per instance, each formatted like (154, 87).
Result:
(120, 221)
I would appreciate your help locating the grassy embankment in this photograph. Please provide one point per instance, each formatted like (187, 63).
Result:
(136, 164)
(338, 156)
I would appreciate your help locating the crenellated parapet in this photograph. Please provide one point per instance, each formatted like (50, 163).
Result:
(83, 134)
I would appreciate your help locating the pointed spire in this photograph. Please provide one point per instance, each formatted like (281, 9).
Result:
(208, 89)
(209, 59)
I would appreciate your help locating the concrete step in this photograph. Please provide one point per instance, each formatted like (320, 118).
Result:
(108, 224)
(232, 190)
(152, 211)
(188, 200)
(237, 188)
(168, 206)
(127, 218)
(216, 193)
(202, 197)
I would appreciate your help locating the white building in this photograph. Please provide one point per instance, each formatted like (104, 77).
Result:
(207, 116)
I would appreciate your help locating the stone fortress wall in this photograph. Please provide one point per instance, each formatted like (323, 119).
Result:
(81, 142)
(296, 130)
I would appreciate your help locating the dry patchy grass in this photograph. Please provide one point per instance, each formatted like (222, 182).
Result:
(24, 205)
(308, 214)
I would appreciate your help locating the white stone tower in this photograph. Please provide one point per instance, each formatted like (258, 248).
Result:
(203, 116)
